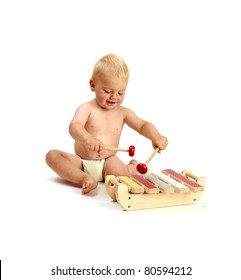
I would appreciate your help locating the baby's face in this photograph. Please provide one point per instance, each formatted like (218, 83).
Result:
(109, 90)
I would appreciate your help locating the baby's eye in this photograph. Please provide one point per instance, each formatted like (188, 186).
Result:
(121, 93)
(107, 91)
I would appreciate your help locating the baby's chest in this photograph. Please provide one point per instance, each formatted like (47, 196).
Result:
(111, 124)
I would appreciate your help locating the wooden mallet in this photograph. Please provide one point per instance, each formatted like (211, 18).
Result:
(142, 167)
(131, 150)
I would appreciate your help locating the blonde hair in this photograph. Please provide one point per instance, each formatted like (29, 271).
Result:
(111, 64)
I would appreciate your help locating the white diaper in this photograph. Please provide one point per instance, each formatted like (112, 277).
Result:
(94, 168)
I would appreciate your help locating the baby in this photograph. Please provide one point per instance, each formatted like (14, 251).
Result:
(98, 124)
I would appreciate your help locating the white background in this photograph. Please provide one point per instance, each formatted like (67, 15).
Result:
(184, 58)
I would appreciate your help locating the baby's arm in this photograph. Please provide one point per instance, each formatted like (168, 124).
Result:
(146, 129)
(79, 133)
(149, 131)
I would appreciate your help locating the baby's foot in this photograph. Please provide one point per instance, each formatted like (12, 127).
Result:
(132, 167)
(88, 185)
(133, 162)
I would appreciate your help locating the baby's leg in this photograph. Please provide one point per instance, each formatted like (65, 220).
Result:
(69, 167)
(114, 166)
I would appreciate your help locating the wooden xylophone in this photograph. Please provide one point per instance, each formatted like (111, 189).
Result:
(168, 188)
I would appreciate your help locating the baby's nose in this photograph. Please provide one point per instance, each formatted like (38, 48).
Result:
(113, 95)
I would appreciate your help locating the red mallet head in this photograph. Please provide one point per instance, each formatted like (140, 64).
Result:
(142, 168)
(131, 151)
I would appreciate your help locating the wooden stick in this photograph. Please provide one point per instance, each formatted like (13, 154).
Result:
(116, 149)
(152, 156)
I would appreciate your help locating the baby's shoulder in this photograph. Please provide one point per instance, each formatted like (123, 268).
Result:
(126, 111)
(83, 110)
(85, 106)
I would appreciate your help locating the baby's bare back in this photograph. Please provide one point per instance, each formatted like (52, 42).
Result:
(105, 125)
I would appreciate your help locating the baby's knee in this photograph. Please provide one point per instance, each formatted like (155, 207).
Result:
(114, 166)
(51, 157)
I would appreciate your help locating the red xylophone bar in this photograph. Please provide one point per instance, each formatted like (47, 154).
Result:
(195, 187)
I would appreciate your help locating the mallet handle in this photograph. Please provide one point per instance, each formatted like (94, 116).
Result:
(116, 149)
(151, 156)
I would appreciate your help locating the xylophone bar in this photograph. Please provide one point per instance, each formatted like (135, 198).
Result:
(165, 188)
(134, 186)
(148, 186)
(165, 183)
(198, 179)
(195, 187)
(176, 185)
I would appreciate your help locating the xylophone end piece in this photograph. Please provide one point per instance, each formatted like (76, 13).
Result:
(142, 168)
(111, 183)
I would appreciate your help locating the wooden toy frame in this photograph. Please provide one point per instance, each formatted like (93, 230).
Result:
(121, 191)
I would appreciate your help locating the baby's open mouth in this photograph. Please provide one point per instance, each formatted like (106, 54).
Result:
(109, 102)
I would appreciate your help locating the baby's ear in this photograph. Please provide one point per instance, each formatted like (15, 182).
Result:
(92, 84)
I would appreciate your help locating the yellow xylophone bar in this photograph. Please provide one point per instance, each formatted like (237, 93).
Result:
(134, 186)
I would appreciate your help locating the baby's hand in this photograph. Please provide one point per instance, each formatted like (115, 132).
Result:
(160, 143)
(94, 145)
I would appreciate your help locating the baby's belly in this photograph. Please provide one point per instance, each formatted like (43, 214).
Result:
(84, 153)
